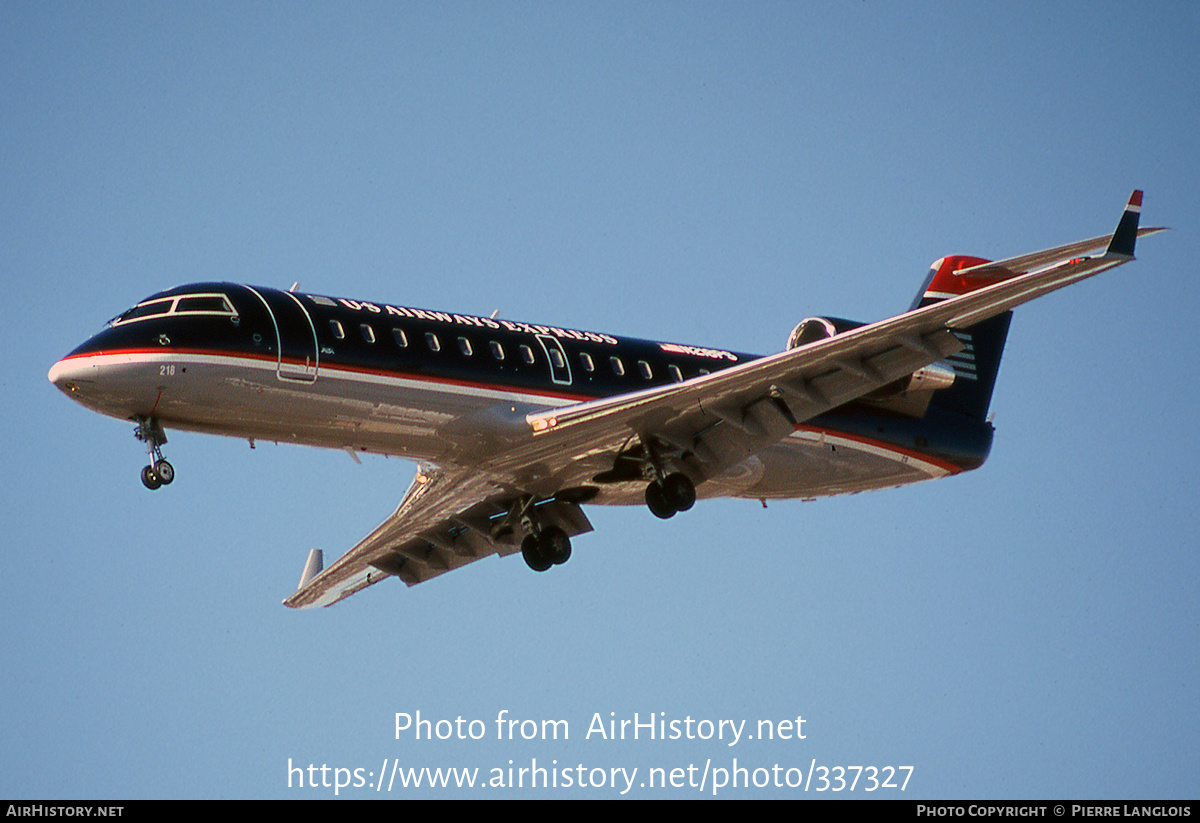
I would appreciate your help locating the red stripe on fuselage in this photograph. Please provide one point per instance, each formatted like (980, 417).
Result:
(338, 367)
(952, 468)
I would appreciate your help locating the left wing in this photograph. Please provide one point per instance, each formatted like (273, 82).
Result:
(449, 517)
(718, 416)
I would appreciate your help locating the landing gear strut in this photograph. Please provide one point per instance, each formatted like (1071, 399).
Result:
(159, 472)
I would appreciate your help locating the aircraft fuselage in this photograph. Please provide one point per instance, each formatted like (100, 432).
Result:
(259, 363)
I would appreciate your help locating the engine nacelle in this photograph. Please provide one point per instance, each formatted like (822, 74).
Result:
(812, 329)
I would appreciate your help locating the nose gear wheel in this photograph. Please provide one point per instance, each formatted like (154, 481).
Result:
(159, 473)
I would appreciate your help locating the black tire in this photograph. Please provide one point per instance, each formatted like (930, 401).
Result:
(556, 546)
(656, 501)
(531, 550)
(165, 472)
(150, 479)
(679, 491)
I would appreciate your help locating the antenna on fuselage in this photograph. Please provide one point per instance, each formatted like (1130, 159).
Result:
(492, 316)
(295, 286)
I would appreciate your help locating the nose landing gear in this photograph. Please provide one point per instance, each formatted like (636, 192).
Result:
(159, 473)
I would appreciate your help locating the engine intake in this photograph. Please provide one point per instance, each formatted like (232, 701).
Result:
(812, 329)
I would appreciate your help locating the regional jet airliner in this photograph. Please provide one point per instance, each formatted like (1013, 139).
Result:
(516, 426)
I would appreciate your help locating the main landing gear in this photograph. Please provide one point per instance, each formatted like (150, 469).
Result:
(549, 547)
(667, 494)
(544, 546)
(159, 473)
(670, 495)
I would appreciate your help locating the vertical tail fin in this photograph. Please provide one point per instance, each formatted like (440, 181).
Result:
(1125, 237)
(976, 366)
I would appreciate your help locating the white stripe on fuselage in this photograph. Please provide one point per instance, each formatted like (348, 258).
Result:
(327, 372)
(823, 436)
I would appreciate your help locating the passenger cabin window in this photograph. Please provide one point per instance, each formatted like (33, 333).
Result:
(586, 360)
(400, 337)
(617, 366)
(676, 374)
(556, 357)
(644, 368)
(527, 354)
(368, 333)
(335, 326)
(497, 350)
(432, 340)
(464, 346)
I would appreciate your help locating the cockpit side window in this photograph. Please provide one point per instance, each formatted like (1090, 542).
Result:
(204, 304)
(151, 308)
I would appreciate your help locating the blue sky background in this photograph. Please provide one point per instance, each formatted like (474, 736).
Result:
(699, 172)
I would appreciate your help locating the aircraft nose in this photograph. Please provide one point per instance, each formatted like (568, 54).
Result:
(70, 375)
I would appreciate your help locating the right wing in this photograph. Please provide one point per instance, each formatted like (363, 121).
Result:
(449, 517)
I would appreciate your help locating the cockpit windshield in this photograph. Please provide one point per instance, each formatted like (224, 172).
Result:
(209, 303)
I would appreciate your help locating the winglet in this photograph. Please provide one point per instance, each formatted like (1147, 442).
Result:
(1125, 236)
(316, 560)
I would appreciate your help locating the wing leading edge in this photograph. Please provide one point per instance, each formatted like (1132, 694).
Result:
(452, 516)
